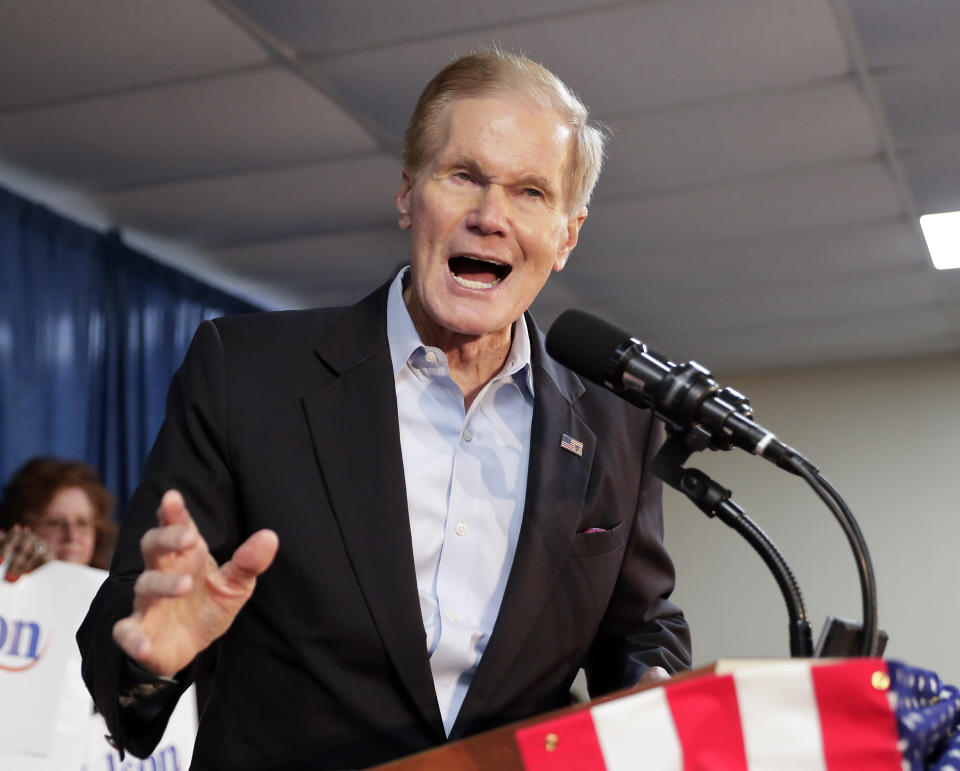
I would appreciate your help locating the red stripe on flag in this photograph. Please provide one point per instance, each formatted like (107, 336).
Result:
(567, 743)
(857, 723)
(707, 720)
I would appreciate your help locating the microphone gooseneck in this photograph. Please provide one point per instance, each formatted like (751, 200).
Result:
(699, 414)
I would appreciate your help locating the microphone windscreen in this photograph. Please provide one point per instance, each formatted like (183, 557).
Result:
(585, 343)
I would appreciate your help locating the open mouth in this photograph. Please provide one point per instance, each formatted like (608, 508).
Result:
(477, 273)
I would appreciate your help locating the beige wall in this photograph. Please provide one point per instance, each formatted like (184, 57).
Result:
(887, 435)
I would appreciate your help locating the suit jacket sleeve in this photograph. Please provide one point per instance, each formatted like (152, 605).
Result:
(190, 456)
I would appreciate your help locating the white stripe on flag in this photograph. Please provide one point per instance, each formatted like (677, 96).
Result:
(780, 719)
(638, 730)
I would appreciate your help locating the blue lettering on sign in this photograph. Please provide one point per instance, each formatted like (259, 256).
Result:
(163, 759)
(21, 645)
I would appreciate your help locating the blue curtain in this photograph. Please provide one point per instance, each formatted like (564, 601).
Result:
(91, 332)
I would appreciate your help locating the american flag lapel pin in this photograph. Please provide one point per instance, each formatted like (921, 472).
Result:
(570, 444)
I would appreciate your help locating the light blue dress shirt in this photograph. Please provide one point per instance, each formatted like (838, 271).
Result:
(466, 480)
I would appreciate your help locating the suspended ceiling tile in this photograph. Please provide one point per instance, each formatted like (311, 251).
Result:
(738, 138)
(753, 264)
(922, 103)
(366, 254)
(71, 48)
(786, 305)
(887, 335)
(800, 202)
(895, 32)
(248, 207)
(325, 26)
(934, 176)
(209, 126)
(948, 282)
(652, 54)
(679, 53)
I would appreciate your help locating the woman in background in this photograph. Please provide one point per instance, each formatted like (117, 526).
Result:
(55, 509)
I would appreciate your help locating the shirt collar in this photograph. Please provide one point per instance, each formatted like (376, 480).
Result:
(404, 341)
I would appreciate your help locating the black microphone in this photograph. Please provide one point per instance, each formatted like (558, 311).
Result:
(684, 396)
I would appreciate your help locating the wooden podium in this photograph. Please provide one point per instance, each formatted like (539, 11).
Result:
(832, 714)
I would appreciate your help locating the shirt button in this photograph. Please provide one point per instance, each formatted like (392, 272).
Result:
(452, 615)
(467, 435)
(461, 528)
(431, 357)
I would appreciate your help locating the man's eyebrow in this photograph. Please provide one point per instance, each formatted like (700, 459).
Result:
(468, 163)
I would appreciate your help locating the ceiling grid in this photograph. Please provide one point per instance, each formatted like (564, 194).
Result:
(768, 161)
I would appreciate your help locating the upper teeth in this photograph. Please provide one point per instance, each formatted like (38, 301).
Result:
(480, 259)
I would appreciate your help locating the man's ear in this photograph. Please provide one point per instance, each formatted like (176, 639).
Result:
(403, 201)
(574, 222)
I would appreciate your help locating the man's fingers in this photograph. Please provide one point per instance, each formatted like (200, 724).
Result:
(173, 510)
(158, 541)
(129, 635)
(156, 584)
(251, 558)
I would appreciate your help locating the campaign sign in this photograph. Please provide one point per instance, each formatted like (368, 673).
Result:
(39, 615)
(46, 715)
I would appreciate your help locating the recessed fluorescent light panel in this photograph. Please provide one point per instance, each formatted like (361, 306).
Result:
(942, 232)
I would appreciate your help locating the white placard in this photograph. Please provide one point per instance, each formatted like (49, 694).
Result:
(46, 715)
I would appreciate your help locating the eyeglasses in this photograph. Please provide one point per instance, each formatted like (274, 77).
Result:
(84, 527)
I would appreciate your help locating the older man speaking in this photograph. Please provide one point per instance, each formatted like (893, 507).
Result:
(390, 525)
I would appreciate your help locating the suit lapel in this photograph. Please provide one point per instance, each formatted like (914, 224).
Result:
(353, 423)
(556, 488)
